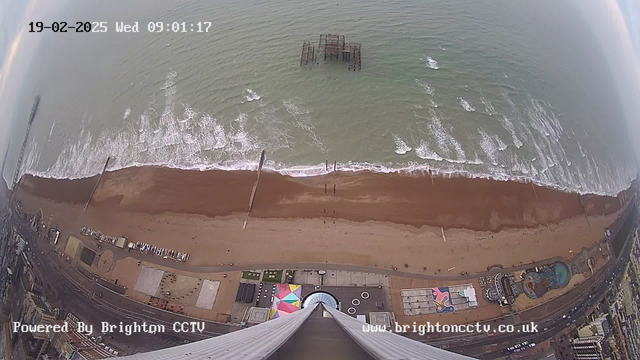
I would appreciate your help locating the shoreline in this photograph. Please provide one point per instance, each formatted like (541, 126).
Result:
(406, 199)
(308, 171)
(382, 221)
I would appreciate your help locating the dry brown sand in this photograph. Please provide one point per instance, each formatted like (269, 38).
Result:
(381, 220)
(127, 271)
(476, 204)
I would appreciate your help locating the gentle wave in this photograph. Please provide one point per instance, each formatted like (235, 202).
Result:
(302, 118)
(425, 85)
(488, 106)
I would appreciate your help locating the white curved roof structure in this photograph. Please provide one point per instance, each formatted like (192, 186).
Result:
(262, 341)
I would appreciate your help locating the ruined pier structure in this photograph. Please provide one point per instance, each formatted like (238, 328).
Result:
(332, 46)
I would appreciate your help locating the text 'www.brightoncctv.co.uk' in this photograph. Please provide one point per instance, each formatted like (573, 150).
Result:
(428, 328)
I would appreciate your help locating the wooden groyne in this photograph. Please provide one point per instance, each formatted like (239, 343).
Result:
(255, 188)
(97, 183)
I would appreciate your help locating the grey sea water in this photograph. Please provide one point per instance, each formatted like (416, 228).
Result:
(500, 88)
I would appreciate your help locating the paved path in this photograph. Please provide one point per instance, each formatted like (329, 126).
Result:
(120, 254)
(75, 292)
(113, 306)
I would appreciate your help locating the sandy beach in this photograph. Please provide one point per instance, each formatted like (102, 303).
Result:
(380, 220)
(475, 204)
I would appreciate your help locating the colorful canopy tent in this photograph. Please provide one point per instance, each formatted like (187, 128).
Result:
(286, 300)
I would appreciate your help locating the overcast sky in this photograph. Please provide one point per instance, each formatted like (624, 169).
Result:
(615, 24)
(17, 49)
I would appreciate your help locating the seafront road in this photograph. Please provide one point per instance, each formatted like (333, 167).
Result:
(76, 292)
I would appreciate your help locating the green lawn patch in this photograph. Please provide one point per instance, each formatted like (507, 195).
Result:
(251, 275)
(274, 276)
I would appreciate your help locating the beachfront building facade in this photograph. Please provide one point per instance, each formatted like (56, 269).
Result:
(315, 329)
(588, 348)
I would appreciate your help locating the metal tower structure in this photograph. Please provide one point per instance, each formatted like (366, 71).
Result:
(16, 175)
(266, 340)
(4, 162)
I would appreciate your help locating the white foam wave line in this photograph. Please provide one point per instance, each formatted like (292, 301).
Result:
(597, 168)
(183, 139)
(488, 106)
(506, 98)
(319, 169)
(446, 142)
(423, 151)
(477, 160)
(582, 153)
(425, 85)
(173, 140)
(303, 120)
(52, 126)
(501, 145)
(465, 105)
(432, 63)
(508, 125)
(553, 152)
(87, 165)
(546, 124)
(251, 95)
(401, 146)
(126, 113)
(542, 158)
(518, 166)
(275, 129)
(564, 154)
(488, 146)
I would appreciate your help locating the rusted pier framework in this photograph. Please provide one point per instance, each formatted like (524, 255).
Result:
(333, 46)
(308, 53)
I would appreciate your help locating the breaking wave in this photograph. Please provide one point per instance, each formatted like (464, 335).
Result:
(432, 63)
(175, 135)
(446, 142)
(508, 125)
(488, 146)
(251, 95)
(424, 152)
(465, 105)
(401, 146)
